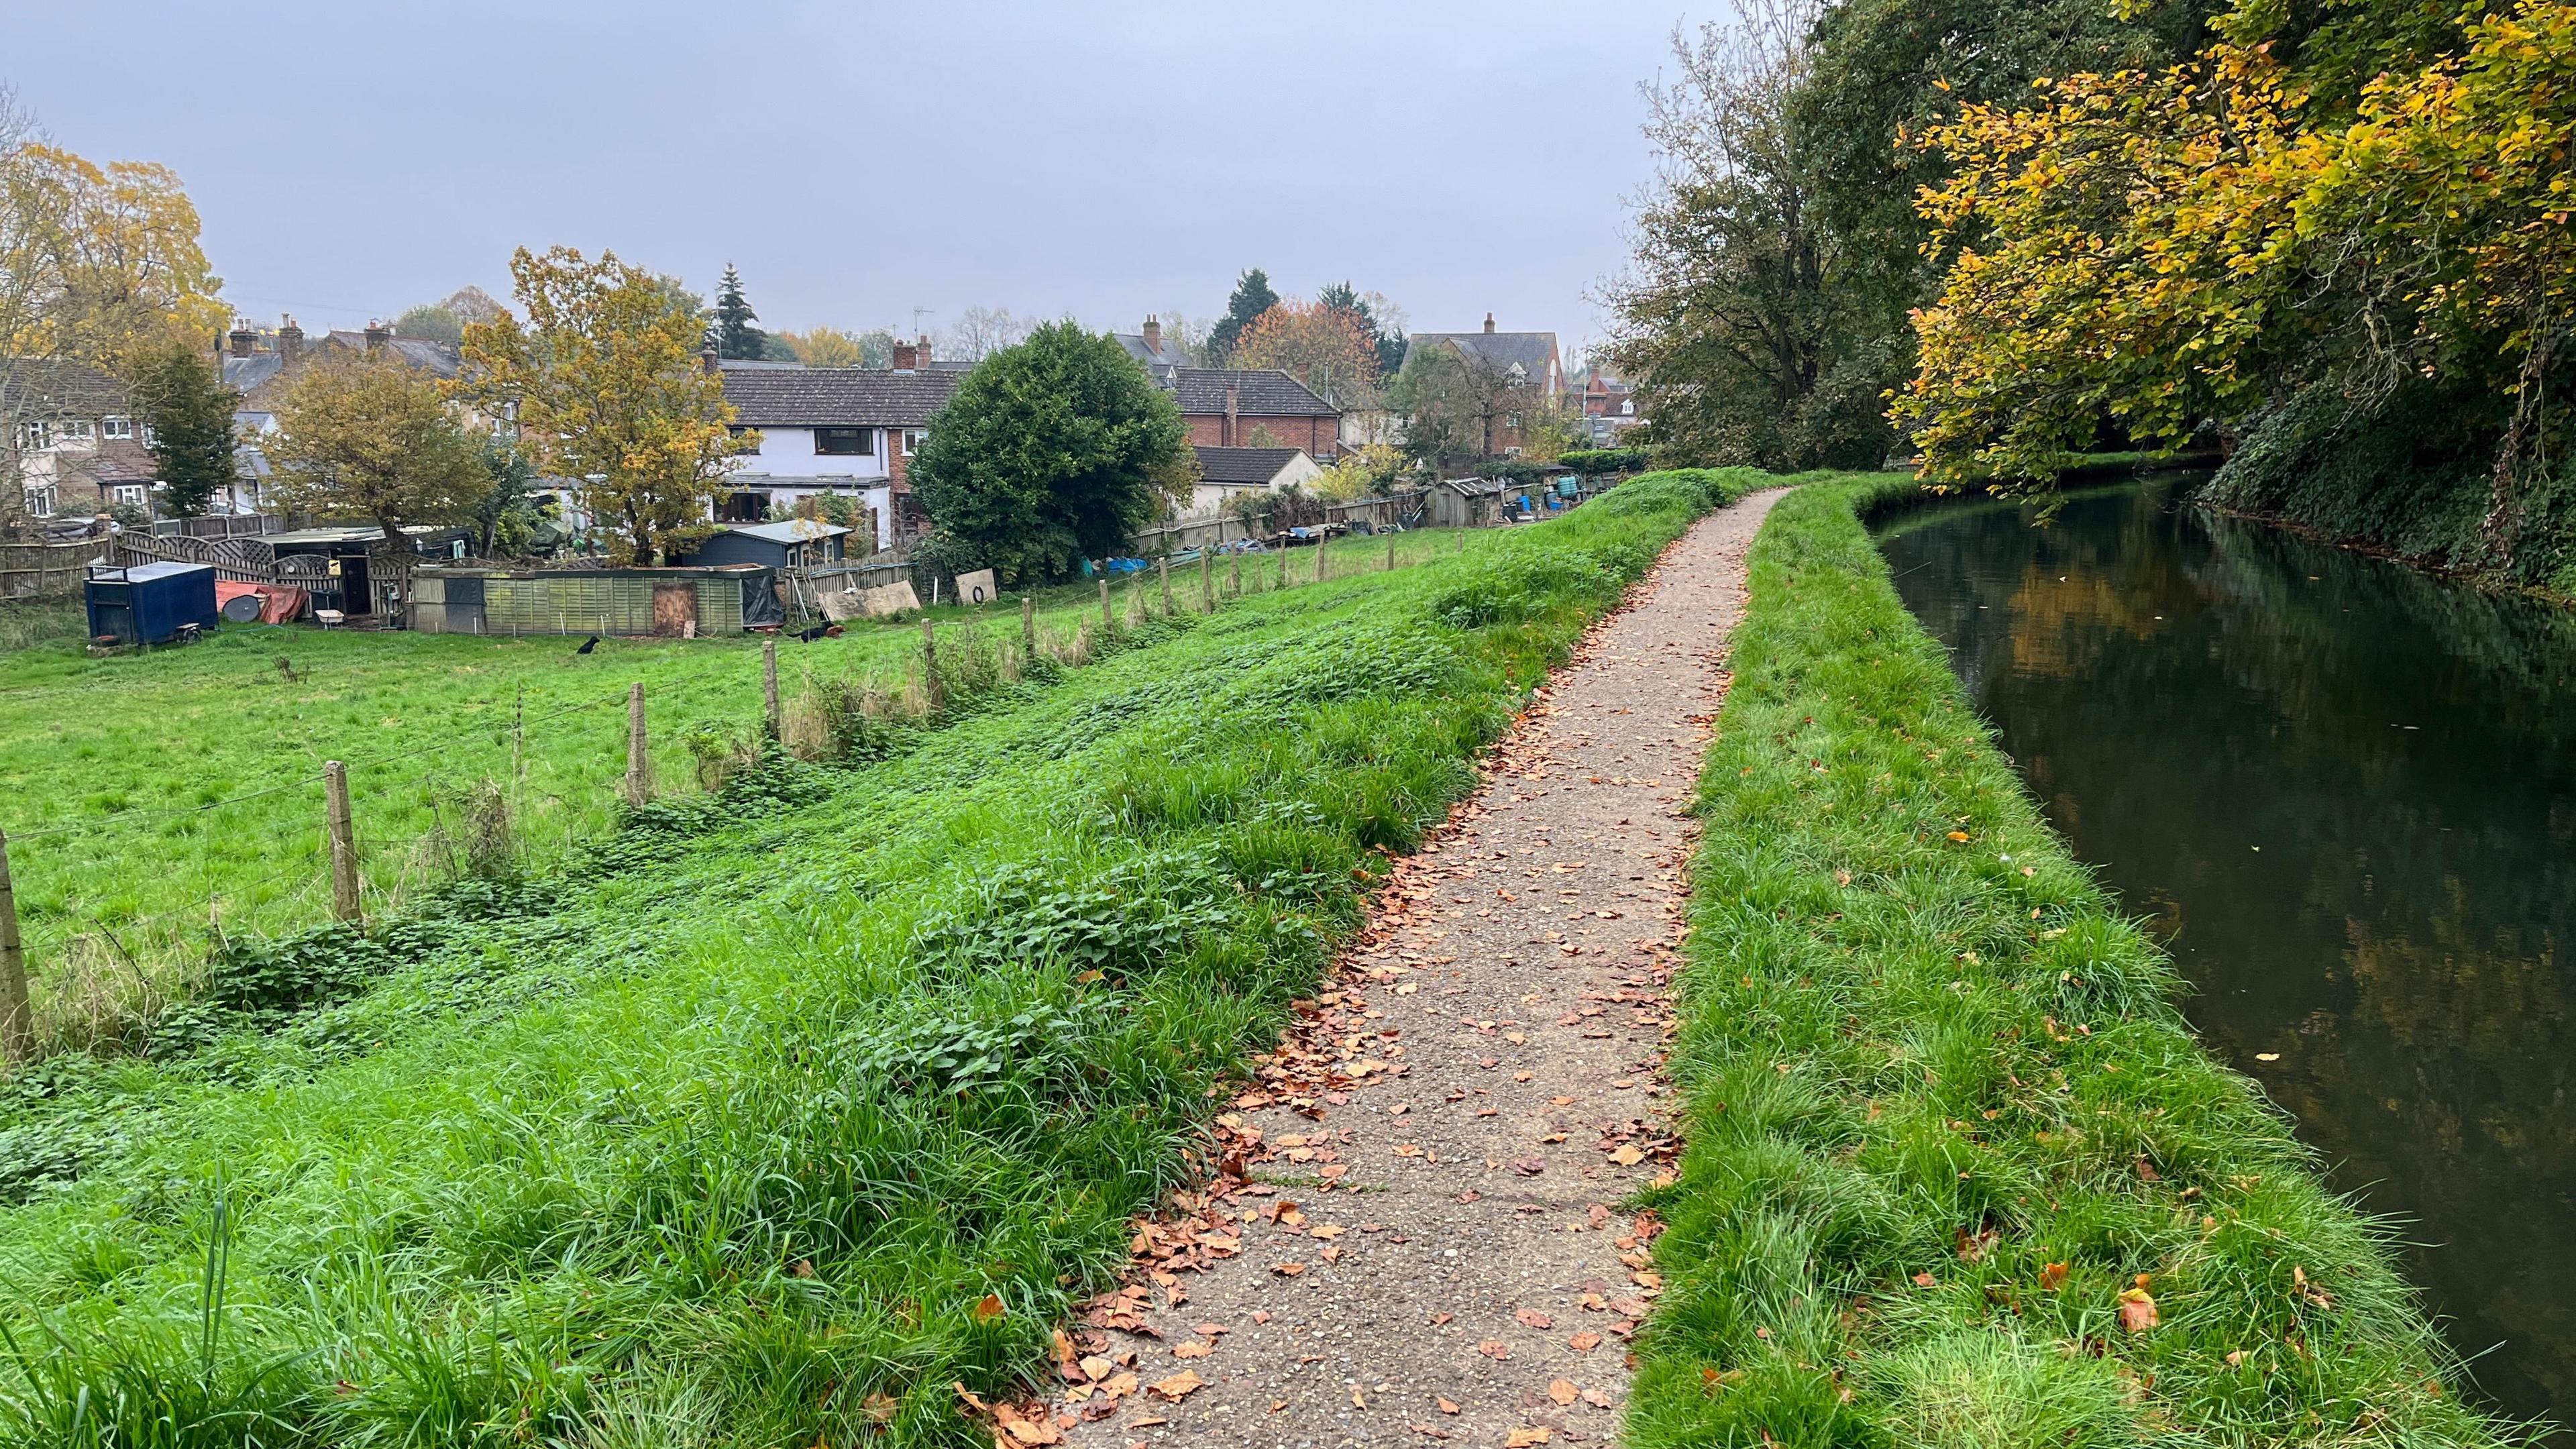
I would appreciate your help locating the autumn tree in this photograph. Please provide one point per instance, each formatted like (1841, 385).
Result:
(1051, 452)
(1732, 314)
(1252, 297)
(367, 436)
(604, 379)
(824, 347)
(1327, 348)
(99, 266)
(181, 398)
(1455, 404)
(1379, 319)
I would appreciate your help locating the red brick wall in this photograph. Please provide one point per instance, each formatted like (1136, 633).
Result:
(1318, 435)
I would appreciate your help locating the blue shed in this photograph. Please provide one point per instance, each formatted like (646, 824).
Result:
(148, 603)
(790, 543)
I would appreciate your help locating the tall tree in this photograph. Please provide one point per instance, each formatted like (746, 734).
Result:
(1455, 404)
(366, 436)
(1745, 348)
(1252, 297)
(737, 338)
(1380, 319)
(1325, 347)
(825, 347)
(607, 386)
(183, 401)
(1052, 452)
(432, 321)
(982, 331)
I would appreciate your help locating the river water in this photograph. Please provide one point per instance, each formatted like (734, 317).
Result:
(2344, 793)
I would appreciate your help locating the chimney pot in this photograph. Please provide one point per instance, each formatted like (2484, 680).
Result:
(708, 362)
(290, 340)
(1154, 335)
(378, 334)
(907, 357)
(1489, 321)
(244, 340)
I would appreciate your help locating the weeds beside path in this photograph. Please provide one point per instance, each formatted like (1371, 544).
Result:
(1957, 1172)
(1430, 1239)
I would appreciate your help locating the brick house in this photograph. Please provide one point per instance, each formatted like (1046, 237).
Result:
(76, 450)
(1222, 405)
(1508, 359)
(850, 431)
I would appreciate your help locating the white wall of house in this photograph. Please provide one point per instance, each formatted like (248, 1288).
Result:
(786, 493)
(789, 453)
(1210, 499)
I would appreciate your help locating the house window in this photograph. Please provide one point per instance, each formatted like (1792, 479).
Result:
(1513, 420)
(846, 442)
(40, 500)
(132, 493)
(116, 429)
(79, 430)
(143, 434)
(35, 437)
(912, 438)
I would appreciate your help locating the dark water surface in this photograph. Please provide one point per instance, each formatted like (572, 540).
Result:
(2346, 794)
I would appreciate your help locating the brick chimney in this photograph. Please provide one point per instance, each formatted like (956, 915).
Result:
(290, 341)
(708, 362)
(1154, 335)
(921, 351)
(378, 334)
(1489, 321)
(1233, 413)
(907, 357)
(244, 341)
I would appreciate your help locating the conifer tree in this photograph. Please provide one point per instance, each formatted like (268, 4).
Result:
(189, 411)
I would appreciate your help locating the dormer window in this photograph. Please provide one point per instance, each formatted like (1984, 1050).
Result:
(116, 429)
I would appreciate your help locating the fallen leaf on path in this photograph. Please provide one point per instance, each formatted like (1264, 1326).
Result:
(1532, 1318)
(1287, 1270)
(1524, 1438)
(1564, 1392)
(1192, 1349)
(1584, 1342)
(1447, 1407)
(1628, 1155)
(1494, 1348)
(1180, 1385)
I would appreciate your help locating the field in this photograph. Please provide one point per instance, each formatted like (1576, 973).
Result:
(779, 1111)
(1958, 1173)
(155, 801)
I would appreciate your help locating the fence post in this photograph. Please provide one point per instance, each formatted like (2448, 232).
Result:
(1321, 545)
(1029, 625)
(1107, 620)
(1390, 553)
(930, 665)
(639, 758)
(1163, 575)
(769, 684)
(17, 1017)
(1207, 582)
(345, 902)
(1234, 574)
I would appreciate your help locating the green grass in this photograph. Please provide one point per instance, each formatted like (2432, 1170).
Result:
(148, 796)
(1924, 1057)
(722, 1134)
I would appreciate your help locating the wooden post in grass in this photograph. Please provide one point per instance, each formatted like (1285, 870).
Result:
(1163, 576)
(639, 758)
(774, 714)
(17, 1018)
(1234, 574)
(1207, 582)
(1321, 544)
(930, 665)
(1108, 621)
(1029, 626)
(1390, 553)
(343, 834)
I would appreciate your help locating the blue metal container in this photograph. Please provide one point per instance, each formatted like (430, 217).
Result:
(147, 604)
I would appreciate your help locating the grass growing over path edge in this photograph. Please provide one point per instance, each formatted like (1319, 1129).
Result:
(1958, 1171)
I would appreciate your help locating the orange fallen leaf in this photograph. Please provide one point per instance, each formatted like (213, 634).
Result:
(1033, 1431)
(1287, 1270)
(1628, 1155)
(2137, 1311)
(1446, 1407)
(1493, 1348)
(1180, 1385)
(1331, 1255)
(1192, 1349)
(1584, 1342)
(1924, 1280)
(1960, 835)
(2052, 1277)
(988, 1308)
(1524, 1438)
(1564, 1392)
(1532, 1318)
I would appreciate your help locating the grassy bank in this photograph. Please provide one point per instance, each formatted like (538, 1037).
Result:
(156, 800)
(791, 1107)
(1958, 1172)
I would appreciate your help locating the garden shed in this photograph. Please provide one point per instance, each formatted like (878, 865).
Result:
(792, 543)
(672, 603)
(1467, 502)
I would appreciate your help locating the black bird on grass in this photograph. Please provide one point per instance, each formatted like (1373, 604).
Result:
(819, 631)
(588, 645)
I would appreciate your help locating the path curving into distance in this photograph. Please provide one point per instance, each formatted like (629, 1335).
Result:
(1419, 1237)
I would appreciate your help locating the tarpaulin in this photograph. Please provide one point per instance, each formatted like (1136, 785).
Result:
(278, 603)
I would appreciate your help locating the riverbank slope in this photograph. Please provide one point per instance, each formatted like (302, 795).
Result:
(1958, 1172)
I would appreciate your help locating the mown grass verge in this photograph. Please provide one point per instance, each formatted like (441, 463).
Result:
(1958, 1172)
(787, 1112)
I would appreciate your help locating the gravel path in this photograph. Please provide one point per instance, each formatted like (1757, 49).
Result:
(1422, 1240)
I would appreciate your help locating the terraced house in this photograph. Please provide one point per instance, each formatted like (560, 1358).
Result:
(75, 450)
(834, 430)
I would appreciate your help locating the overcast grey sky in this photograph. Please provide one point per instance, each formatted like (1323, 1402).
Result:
(860, 160)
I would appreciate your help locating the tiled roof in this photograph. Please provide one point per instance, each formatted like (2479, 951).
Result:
(1531, 352)
(836, 397)
(49, 389)
(1255, 466)
(1263, 392)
